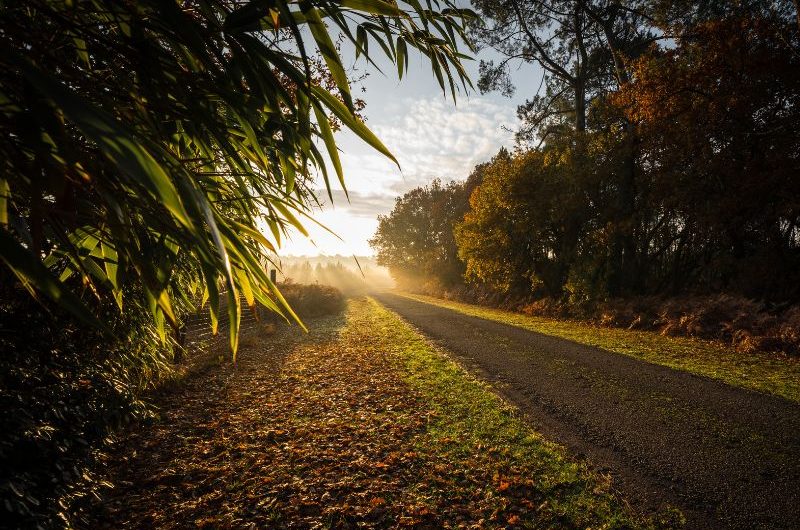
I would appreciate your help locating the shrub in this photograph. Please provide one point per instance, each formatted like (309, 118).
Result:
(63, 391)
(312, 300)
(746, 325)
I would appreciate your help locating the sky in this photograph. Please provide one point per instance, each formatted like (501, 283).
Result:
(431, 137)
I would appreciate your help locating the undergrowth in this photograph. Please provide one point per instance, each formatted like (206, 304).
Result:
(64, 390)
(742, 324)
(312, 300)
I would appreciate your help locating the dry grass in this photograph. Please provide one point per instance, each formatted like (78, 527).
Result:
(745, 325)
(312, 300)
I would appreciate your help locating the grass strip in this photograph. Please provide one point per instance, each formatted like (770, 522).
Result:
(534, 482)
(770, 373)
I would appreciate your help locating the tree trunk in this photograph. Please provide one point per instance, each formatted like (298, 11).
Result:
(623, 260)
(580, 105)
(627, 199)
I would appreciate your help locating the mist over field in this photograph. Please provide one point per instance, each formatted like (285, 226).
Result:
(353, 275)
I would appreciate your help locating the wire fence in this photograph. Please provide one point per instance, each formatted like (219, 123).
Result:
(198, 336)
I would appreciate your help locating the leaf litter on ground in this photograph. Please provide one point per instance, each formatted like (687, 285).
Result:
(359, 424)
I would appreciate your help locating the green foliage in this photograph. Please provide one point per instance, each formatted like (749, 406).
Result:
(415, 241)
(63, 390)
(682, 181)
(523, 227)
(153, 154)
(133, 133)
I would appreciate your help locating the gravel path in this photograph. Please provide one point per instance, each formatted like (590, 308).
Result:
(727, 457)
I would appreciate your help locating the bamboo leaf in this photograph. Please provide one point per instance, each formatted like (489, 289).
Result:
(29, 269)
(5, 199)
(212, 295)
(401, 58)
(116, 143)
(166, 306)
(246, 18)
(291, 218)
(80, 49)
(352, 122)
(374, 7)
(328, 50)
(244, 284)
(330, 145)
(234, 319)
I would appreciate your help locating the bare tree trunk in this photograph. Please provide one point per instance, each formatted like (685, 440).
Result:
(624, 259)
(627, 210)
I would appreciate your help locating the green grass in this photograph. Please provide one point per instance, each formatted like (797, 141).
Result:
(769, 373)
(472, 425)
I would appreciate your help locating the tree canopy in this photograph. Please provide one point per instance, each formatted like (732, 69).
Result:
(416, 240)
(683, 178)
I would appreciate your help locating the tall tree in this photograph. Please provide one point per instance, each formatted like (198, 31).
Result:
(584, 48)
(527, 220)
(717, 115)
(415, 241)
(569, 40)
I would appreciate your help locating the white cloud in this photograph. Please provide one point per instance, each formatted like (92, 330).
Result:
(358, 204)
(431, 138)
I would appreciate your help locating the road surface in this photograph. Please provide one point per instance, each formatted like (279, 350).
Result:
(727, 457)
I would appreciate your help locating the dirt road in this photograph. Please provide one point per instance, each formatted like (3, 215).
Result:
(729, 458)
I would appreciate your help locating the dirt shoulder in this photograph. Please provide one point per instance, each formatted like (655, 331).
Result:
(361, 423)
(727, 456)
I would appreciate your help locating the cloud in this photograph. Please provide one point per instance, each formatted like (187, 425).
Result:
(360, 204)
(433, 138)
(430, 137)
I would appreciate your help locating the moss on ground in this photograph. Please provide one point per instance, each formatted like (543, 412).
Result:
(770, 373)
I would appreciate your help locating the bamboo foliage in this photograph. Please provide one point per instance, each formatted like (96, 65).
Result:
(140, 135)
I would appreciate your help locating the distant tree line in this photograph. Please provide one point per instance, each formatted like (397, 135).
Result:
(661, 156)
(353, 277)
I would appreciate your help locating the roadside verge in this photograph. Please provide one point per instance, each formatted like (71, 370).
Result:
(768, 373)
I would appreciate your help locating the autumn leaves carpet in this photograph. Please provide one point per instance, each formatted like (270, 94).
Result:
(361, 423)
